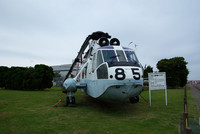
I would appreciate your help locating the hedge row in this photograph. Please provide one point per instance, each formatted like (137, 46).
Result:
(21, 78)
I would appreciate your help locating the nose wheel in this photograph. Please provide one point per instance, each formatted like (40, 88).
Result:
(70, 100)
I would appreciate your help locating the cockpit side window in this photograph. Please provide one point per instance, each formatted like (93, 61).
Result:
(121, 56)
(131, 56)
(99, 58)
(109, 56)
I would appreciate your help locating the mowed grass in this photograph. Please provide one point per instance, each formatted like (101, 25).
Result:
(23, 112)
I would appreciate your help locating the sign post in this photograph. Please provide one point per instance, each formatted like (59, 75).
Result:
(157, 81)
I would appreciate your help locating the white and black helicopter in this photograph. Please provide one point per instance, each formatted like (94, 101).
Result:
(107, 71)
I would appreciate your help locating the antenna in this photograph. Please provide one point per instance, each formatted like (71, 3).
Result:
(130, 43)
(135, 45)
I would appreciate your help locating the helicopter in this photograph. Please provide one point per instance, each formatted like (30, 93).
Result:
(107, 71)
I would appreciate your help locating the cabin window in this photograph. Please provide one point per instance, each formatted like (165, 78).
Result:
(121, 56)
(99, 58)
(131, 56)
(109, 56)
(102, 72)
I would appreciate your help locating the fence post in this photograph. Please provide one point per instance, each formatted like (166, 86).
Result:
(185, 116)
(185, 92)
(188, 130)
(185, 105)
(185, 100)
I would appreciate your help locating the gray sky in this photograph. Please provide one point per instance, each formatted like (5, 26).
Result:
(51, 31)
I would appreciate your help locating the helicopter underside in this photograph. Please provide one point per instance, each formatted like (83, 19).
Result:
(113, 90)
(121, 92)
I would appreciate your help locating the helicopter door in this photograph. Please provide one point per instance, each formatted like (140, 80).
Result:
(102, 69)
(99, 58)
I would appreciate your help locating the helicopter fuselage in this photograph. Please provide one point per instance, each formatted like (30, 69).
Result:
(112, 75)
(107, 71)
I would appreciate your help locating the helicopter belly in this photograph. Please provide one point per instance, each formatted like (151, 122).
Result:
(114, 90)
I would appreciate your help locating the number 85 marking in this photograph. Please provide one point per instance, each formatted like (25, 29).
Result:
(136, 75)
(120, 75)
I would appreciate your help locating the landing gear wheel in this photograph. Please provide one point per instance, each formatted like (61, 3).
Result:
(73, 100)
(67, 101)
(134, 99)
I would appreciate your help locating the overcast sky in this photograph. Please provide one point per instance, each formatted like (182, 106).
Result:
(51, 32)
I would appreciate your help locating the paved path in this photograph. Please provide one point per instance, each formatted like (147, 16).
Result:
(196, 94)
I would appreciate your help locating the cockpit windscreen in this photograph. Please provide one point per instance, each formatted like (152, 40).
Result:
(131, 56)
(119, 56)
(109, 56)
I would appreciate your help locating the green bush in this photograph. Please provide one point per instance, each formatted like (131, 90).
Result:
(20, 78)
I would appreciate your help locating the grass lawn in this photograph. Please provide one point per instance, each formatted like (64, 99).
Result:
(33, 112)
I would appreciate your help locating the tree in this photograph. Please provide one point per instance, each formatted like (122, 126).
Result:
(14, 78)
(28, 79)
(176, 71)
(43, 76)
(147, 70)
(3, 71)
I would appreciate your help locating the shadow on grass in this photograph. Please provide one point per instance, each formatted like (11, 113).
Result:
(110, 108)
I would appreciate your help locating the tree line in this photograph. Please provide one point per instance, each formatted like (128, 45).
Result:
(175, 68)
(38, 77)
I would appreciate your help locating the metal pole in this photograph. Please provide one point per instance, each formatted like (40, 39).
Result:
(185, 93)
(166, 96)
(185, 105)
(185, 115)
(150, 97)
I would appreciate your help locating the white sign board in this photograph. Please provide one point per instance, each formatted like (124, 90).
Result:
(157, 81)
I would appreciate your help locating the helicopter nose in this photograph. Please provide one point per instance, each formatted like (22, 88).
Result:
(70, 85)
